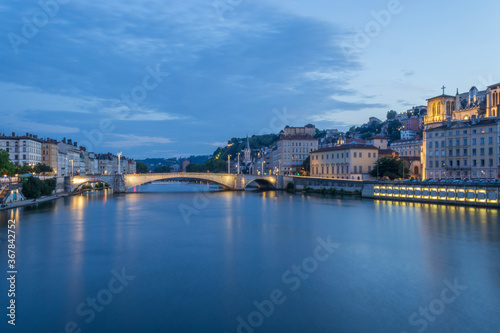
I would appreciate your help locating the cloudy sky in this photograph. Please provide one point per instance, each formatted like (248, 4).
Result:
(174, 78)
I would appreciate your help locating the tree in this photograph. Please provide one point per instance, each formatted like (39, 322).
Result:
(141, 167)
(390, 167)
(49, 186)
(26, 168)
(213, 165)
(39, 168)
(307, 165)
(6, 166)
(32, 189)
(162, 169)
(391, 114)
(394, 130)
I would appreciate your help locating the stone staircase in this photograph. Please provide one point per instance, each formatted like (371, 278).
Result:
(3, 193)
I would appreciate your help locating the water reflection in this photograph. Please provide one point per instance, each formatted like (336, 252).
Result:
(200, 276)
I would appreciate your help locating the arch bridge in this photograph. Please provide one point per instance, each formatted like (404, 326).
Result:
(123, 182)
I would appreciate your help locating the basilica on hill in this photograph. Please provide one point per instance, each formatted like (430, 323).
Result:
(461, 135)
(464, 106)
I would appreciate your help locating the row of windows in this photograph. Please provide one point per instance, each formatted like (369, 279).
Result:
(458, 174)
(458, 132)
(464, 152)
(16, 143)
(459, 163)
(299, 144)
(341, 155)
(25, 150)
(295, 157)
(339, 169)
(297, 150)
(457, 142)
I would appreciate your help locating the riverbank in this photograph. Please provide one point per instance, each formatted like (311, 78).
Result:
(31, 202)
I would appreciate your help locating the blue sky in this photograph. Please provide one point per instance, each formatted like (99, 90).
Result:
(229, 68)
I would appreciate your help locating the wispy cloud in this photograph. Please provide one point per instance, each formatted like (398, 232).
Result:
(135, 141)
(215, 144)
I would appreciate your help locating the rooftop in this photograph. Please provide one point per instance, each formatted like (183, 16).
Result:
(346, 147)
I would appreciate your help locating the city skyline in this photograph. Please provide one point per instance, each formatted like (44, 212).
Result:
(225, 63)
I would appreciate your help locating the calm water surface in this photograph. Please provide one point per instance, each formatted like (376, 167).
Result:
(208, 261)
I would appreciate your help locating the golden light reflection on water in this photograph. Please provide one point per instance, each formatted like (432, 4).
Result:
(438, 223)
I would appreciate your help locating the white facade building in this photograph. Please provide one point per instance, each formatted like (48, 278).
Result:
(22, 150)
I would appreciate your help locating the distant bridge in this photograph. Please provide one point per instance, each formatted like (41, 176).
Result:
(122, 183)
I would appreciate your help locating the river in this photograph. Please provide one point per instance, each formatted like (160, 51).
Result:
(174, 257)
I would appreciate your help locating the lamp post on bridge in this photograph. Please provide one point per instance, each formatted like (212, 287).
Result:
(228, 163)
(119, 158)
(262, 167)
(239, 163)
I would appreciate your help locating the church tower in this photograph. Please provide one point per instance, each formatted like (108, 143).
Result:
(439, 109)
(248, 153)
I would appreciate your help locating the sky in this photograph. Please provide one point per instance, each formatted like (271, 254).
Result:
(153, 78)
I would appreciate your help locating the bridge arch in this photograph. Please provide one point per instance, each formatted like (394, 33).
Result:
(79, 181)
(180, 178)
(122, 182)
(263, 184)
(227, 181)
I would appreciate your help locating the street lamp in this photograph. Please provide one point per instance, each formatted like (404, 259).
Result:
(239, 163)
(72, 166)
(262, 167)
(119, 158)
(228, 163)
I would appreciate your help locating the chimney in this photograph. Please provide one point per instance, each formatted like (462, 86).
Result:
(13, 133)
(75, 144)
(64, 140)
(70, 142)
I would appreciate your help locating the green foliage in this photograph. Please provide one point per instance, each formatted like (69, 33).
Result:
(21, 170)
(391, 114)
(51, 185)
(213, 165)
(141, 167)
(320, 134)
(6, 166)
(39, 168)
(394, 130)
(367, 131)
(34, 188)
(307, 165)
(390, 167)
(237, 145)
(162, 169)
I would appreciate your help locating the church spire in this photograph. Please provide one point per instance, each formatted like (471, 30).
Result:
(247, 146)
